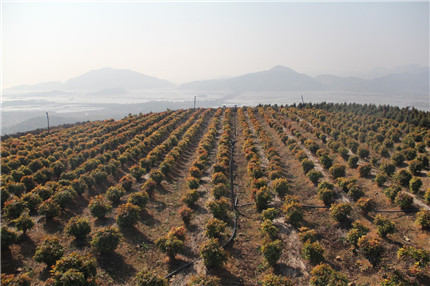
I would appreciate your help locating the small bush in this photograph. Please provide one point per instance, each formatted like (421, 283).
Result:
(324, 275)
(415, 166)
(193, 183)
(156, 176)
(275, 280)
(381, 179)
(415, 184)
(384, 225)
(398, 158)
(64, 197)
(128, 215)
(260, 183)
(325, 185)
(355, 192)
(106, 239)
(337, 171)
(212, 253)
(423, 219)
(49, 209)
(14, 208)
(114, 194)
(215, 228)
(137, 172)
(420, 257)
(99, 207)
(404, 201)
(388, 168)
(8, 237)
(139, 199)
(79, 227)
(171, 245)
(371, 247)
(262, 198)
(49, 251)
(307, 165)
(220, 190)
(313, 251)
(363, 153)
(357, 231)
(24, 222)
(75, 269)
(365, 170)
(270, 214)
(353, 161)
(219, 208)
(365, 205)
(185, 213)
(307, 234)
(190, 197)
(219, 178)
(281, 187)
(268, 228)
(293, 212)
(340, 211)
(403, 177)
(314, 176)
(392, 192)
(272, 251)
(326, 195)
(147, 278)
(427, 196)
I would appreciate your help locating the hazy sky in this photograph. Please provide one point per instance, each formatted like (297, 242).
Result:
(181, 42)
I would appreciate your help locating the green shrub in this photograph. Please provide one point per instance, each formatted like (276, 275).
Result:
(13, 208)
(270, 214)
(149, 187)
(365, 170)
(293, 212)
(357, 231)
(388, 168)
(193, 183)
(156, 176)
(204, 280)
(106, 239)
(212, 253)
(353, 161)
(79, 186)
(220, 190)
(268, 228)
(49, 209)
(404, 201)
(313, 251)
(363, 153)
(219, 208)
(281, 187)
(415, 184)
(139, 199)
(307, 165)
(326, 161)
(381, 179)
(170, 244)
(365, 205)
(324, 275)
(427, 196)
(147, 278)
(392, 192)
(355, 192)
(423, 219)
(64, 197)
(99, 207)
(371, 247)
(384, 225)
(8, 237)
(128, 215)
(415, 166)
(24, 222)
(215, 228)
(314, 176)
(75, 269)
(137, 172)
(307, 234)
(398, 158)
(340, 211)
(185, 213)
(49, 251)
(262, 198)
(337, 171)
(114, 194)
(79, 227)
(326, 195)
(190, 197)
(219, 178)
(260, 183)
(325, 185)
(420, 257)
(272, 251)
(403, 177)
(126, 182)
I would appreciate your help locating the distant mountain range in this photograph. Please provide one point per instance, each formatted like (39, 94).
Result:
(108, 81)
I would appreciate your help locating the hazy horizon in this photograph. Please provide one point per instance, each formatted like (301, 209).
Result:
(182, 42)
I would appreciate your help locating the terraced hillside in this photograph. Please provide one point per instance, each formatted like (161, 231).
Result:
(267, 195)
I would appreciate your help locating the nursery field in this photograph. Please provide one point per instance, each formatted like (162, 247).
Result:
(324, 194)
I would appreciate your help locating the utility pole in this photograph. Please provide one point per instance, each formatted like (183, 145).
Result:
(303, 101)
(47, 118)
